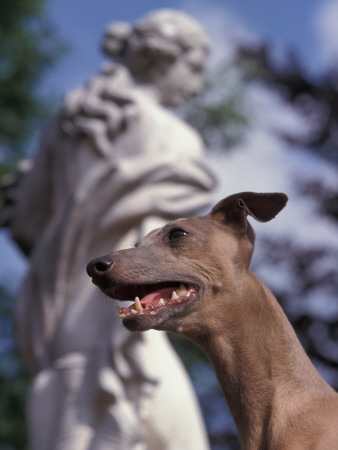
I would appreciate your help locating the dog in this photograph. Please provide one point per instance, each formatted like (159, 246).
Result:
(192, 277)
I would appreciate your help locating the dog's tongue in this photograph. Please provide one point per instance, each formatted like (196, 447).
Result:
(155, 297)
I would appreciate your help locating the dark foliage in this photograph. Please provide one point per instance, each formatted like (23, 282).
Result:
(29, 46)
(315, 97)
(13, 382)
(309, 298)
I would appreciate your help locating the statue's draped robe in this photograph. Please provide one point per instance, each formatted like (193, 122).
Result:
(96, 384)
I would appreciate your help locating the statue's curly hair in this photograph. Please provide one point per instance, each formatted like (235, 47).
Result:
(156, 39)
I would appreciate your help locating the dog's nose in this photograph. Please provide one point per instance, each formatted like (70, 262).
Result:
(99, 266)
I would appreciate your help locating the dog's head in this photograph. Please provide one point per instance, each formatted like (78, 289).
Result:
(181, 276)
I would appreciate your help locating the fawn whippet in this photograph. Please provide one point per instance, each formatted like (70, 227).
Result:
(192, 277)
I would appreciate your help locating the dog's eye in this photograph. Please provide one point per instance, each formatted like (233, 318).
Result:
(176, 233)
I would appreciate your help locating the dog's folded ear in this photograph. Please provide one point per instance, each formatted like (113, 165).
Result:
(233, 210)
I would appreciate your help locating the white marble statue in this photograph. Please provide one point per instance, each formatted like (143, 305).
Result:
(113, 165)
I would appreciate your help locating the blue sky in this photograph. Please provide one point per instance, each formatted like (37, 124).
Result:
(285, 24)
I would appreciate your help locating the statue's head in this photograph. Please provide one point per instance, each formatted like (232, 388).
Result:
(166, 48)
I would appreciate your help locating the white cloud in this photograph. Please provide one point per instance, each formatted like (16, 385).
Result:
(326, 27)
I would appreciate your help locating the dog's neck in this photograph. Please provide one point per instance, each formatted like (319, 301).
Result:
(261, 366)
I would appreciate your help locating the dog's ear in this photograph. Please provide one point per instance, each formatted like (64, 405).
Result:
(234, 210)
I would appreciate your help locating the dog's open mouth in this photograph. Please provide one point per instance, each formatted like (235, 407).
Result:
(149, 299)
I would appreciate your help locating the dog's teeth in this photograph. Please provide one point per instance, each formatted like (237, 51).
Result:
(123, 316)
(174, 295)
(138, 305)
(162, 302)
(133, 311)
(118, 309)
(182, 290)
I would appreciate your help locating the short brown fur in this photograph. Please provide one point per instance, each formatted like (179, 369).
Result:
(276, 396)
